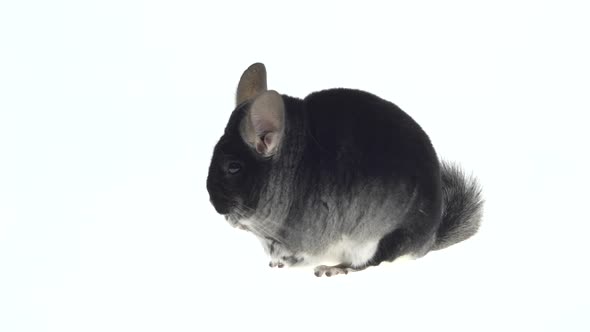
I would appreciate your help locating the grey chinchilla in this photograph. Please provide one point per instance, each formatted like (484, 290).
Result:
(340, 177)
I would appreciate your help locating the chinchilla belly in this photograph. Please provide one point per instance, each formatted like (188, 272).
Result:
(346, 250)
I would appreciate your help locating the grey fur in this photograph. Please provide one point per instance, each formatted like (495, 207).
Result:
(462, 206)
(363, 215)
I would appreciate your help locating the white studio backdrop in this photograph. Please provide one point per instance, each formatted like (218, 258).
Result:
(109, 111)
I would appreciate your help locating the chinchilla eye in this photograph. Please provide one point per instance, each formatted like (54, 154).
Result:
(234, 168)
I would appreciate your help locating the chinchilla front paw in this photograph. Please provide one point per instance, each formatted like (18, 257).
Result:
(283, 261)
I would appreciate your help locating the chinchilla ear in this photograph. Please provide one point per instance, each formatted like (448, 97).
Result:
(264, 125)
(252, 83)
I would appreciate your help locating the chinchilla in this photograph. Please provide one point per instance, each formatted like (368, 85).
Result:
(340, 180)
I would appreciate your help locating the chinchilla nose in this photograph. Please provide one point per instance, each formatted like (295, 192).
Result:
(220, 206)
(221, 209)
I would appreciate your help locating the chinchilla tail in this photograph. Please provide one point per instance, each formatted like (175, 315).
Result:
(462, 206)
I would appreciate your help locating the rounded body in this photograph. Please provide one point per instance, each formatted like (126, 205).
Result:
(360, 169)
(341, 176)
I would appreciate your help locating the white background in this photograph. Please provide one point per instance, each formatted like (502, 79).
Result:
(109, 111)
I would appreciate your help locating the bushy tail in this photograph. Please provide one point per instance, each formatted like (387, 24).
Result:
(462, 206)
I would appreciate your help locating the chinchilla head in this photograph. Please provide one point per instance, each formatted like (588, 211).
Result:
(244, 160)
